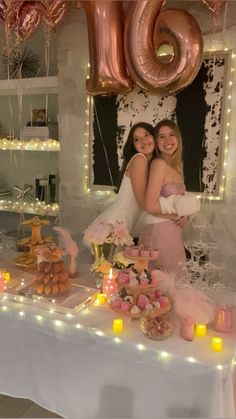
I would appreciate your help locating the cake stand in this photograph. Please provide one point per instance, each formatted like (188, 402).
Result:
(140, 262)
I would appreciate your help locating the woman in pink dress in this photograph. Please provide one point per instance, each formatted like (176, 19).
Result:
(165, 179)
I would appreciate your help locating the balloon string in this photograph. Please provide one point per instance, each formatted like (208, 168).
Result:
(103, 145)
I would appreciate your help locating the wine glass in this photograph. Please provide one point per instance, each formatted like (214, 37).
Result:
(212, 247)
(199, 249)
(194, 271)
(201, 224)
(189, 246)
(213, 273)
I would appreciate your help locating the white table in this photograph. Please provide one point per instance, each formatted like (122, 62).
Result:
(68, 366)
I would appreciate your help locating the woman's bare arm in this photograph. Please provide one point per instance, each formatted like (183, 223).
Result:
(138, 173)
(155, 182)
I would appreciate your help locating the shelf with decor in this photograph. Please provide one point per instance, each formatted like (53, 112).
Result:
(29, 86)
(29, 182)
(35, 144)
(35, 207)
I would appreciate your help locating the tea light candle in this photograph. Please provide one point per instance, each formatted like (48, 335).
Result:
(7, 276)
(117, 325)
(200, 330)
(101, 299)
(216, 344)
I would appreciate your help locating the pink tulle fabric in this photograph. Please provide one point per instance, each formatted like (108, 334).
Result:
(166, 236)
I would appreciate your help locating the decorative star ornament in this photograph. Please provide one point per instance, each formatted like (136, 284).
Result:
(23, 192)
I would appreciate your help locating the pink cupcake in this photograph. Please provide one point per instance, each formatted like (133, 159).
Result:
(134, 250)
(123, 277)
(164, 301)
(154, 281)
(117, 302)
(142, 301)
(157, 295)
(144, 281)
(144, 253)
(154, 253)
(125, 306)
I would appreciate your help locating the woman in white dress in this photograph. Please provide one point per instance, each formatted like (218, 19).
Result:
(138, 151)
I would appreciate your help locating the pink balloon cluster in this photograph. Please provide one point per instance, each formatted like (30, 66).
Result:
(24, 16)
(123, 51)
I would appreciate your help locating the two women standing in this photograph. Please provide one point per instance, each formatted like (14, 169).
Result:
(152, 169)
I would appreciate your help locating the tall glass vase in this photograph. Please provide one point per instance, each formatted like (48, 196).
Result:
(97, 250)
(109, 251)
(106, 249)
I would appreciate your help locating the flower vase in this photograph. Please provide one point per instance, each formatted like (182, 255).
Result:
(97, 250)
(109, 251)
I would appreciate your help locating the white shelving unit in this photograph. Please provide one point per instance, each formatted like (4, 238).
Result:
(32, 86)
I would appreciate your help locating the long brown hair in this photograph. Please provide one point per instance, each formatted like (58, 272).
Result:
(129, 150)
(176, 159)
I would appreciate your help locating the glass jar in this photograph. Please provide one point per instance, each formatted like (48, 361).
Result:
(187, 328)
(224, 318)
(157, 328)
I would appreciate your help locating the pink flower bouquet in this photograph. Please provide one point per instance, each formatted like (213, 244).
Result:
(100, 232)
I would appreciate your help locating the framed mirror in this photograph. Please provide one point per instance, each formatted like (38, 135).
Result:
(201, 112)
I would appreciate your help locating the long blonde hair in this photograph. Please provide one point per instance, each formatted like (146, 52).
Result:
(176, 159)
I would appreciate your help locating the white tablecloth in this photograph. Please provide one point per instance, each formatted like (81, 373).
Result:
(66, 365)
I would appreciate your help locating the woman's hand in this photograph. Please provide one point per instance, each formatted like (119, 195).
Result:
(181, 221)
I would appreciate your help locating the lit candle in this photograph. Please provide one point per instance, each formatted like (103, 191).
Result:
(109, 284)
(216, 344)
(117, 325)
(7, 276)
(101, 299)
(200, 330)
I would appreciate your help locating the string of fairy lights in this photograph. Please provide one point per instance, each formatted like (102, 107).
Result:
(69, 320)
(35, 144)
(88, 151)
(226, 129)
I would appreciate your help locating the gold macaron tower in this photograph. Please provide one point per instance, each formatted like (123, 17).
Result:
(52, 278)
(29, 259)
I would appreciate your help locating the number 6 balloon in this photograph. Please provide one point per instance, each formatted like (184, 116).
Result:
(146, 30)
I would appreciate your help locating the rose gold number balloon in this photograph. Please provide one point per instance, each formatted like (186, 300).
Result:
(146, 30)
(108, 73)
